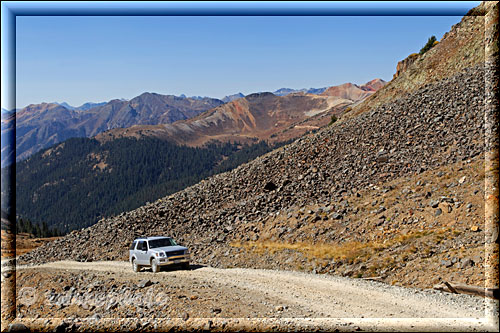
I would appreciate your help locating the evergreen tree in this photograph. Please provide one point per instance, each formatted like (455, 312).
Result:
(84, 180)
(430, 43)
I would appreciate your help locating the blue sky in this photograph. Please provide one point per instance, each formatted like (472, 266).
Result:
(90, 58)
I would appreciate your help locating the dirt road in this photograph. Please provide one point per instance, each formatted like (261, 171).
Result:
(100, 290)
(301, 294)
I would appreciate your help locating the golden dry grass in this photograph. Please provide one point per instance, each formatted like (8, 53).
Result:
(349, 251)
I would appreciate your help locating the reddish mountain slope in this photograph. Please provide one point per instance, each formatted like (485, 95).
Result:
(260, 116)
(354, 92)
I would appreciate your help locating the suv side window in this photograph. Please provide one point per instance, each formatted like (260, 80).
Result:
(132, 246)
(142, 246)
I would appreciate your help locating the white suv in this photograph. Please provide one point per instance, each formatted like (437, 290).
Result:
(155, 252)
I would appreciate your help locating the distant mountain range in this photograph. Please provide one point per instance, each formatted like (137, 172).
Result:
(254, 117)
(279, 92)
(353, 91)
(42, 125)
(286, 91)
(259, 116)
(373, 85)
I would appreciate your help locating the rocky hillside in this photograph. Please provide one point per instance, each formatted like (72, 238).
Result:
(318, 184)
(462, 47)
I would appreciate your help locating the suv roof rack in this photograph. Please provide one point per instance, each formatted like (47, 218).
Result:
(151, 237)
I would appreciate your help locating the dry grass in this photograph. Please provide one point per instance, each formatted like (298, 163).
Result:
(24, 243)
(351, 251)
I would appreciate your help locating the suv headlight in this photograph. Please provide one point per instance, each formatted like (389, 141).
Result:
(160, 254)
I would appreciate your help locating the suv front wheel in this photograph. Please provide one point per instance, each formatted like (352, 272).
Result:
(135, 267)
(154, 266)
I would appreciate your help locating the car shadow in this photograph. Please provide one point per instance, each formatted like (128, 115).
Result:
(195, 267)
(174, 268)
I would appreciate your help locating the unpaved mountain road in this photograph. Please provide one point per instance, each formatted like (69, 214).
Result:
(241, 292)
(301, 294)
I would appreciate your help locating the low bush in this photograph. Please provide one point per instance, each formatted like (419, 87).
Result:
(428, 45)
(332, 120)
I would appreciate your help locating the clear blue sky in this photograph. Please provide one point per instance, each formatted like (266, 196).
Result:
(88, 58)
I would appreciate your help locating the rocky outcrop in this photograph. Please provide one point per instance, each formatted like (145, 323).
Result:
(404, 64)
(347, 91)
(462, 47)
(373, 85)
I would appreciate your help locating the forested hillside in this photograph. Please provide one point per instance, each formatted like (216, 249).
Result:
(73, 184)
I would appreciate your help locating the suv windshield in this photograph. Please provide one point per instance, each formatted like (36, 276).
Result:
(161, 242)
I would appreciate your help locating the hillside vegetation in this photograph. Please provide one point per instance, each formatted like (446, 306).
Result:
(73, 184)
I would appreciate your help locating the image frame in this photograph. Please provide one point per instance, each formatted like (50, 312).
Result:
(11, 10)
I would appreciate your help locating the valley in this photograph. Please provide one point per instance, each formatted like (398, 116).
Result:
(146, 162)
(338, 210)
(276, 196)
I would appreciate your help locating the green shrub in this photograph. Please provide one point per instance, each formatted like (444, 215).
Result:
(428, 46)
(332, 120)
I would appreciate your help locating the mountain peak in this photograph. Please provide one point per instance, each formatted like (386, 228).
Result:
(43, 106)
(260, 95)
(231, 98)
(66, 105)
(354, 92)
(286, 91)
(373, 85)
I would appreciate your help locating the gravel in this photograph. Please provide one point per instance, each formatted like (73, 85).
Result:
(284, 293)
